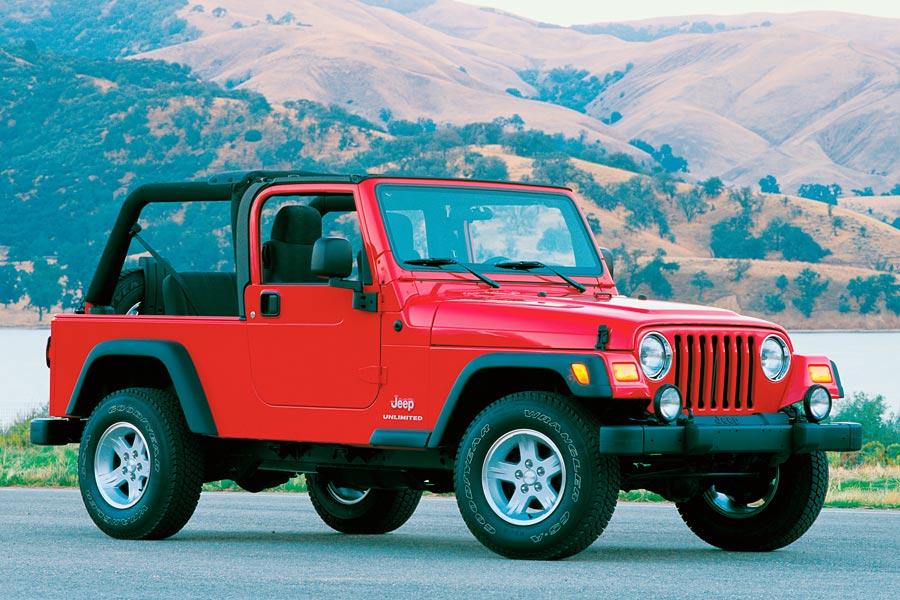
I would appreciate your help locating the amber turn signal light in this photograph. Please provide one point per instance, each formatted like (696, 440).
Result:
(820, 374)
(625, 372)
(580, 371)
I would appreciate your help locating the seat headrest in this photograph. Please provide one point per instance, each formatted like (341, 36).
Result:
(296, 224)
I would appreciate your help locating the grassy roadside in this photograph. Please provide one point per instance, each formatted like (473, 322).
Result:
(21, 464)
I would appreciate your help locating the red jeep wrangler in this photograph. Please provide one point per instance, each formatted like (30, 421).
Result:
(386, 336)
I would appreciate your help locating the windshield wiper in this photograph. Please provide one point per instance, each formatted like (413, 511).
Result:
(443, 262)
(528, 265)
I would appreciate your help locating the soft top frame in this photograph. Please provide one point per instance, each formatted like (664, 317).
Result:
(224, 187)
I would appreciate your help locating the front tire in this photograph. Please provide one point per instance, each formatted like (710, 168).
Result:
(140, 468)
(769, 517)
(530, 480)
(360, 511)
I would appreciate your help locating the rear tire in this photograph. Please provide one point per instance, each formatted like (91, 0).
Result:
(530, 480)
(140, 469)
(768, 519)
(354, 511)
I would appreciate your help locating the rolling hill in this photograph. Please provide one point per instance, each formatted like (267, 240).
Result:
(420, 88)
(808, 97)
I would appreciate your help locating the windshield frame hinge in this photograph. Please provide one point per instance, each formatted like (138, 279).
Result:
(602, 337)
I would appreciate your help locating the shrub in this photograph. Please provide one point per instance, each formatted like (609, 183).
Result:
(738, 268)
(774, 303)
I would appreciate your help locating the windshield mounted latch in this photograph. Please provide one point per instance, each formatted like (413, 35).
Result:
(602, 337)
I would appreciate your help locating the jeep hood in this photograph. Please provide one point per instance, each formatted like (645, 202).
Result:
(520, 321)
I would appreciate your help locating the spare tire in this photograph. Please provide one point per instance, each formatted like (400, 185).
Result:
(129, 293)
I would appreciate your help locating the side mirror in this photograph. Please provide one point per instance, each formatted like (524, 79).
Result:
(609, 260)
(332, 258)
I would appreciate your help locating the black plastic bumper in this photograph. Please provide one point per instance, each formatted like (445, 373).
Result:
(56, 432)
(760, 434)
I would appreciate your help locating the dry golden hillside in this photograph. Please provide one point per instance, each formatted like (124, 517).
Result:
(808, 97)
(860, 245)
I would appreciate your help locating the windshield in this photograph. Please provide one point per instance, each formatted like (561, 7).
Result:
(485, 227)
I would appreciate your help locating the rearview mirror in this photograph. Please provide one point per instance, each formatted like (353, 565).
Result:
(332, 257)
(610, 262)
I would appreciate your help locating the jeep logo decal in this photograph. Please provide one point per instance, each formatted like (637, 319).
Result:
(404, 403)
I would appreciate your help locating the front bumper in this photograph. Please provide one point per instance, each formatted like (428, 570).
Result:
(56, 432)
(756, 434)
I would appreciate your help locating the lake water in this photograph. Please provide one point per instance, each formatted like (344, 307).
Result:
(867, 363)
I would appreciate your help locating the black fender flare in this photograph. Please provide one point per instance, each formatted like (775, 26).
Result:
(174, 358)
(560, 363)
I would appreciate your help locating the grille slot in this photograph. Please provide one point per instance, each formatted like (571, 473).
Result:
(715, 371)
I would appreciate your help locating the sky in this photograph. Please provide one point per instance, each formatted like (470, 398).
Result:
(568, 12)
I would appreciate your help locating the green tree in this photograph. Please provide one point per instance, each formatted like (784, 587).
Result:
(774, 303)
(781, 282)
(749, 202)
(823, 193)
(712, 187)
(45, 289)
(9, 285)
(692, 203)
(664, 183)
(769, 185)
(653, 274)
(793, 242)
(731, 238)
(870, 411)
(809, 287)
(866, 191)
(867, 292)
(488, 168)
(702, 282)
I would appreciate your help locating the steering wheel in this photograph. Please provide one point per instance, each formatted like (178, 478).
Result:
(496, 260)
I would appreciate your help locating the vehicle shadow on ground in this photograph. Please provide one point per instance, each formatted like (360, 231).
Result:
(438, 547)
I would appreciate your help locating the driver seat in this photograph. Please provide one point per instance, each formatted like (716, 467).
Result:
(287, 255)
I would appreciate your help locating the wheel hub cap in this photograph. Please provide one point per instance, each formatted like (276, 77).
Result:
(122, 465)
(346, 495)
(523, 477)
(738, 507)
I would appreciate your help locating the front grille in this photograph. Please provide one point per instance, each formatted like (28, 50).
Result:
(714, 371)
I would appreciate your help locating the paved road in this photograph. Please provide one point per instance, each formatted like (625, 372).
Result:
(268, 545)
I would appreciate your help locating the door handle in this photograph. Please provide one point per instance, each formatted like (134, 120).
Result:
(269, 304)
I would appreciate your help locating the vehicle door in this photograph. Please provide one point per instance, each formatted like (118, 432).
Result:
(314, 342)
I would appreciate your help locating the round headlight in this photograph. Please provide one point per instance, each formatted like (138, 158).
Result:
(655, 355)
(817, 403)
(774, 357)
(667, 403)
